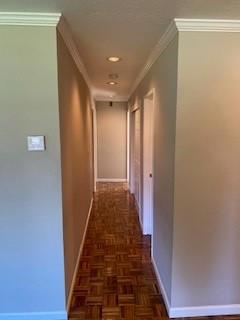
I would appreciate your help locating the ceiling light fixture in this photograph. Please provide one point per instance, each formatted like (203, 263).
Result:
(112, 83)
(114, 59)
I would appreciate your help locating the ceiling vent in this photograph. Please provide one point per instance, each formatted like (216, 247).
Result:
(113, 76)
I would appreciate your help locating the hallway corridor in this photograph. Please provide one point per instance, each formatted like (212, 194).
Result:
(116, 278)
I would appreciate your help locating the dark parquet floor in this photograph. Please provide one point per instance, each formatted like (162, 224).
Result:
(116, 280)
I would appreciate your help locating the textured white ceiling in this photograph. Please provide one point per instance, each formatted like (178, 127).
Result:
(126, 28)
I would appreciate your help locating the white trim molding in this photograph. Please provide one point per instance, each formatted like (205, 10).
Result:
(49, 20)
(128, 146)
(163, 43)
(78, 260)
(58, 315)
(207, 25)
(111, 180)
(205, 311)
(138, 212)
(148, 220)
(95, 147)
(162, 288)
(29, 19)
(67, 36)
(134, 108)
(180, 25)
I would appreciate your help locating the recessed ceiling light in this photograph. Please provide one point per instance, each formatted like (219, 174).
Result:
(112, 83)
(113, 59)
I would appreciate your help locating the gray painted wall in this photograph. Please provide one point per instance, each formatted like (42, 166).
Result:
(112, 140)
(196, 241)
(206, 252)
(163, 78)
(77, 156)
(31, 246)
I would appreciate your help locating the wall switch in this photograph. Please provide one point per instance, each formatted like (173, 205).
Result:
(36, 143)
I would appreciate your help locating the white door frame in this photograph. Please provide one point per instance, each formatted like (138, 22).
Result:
(148, 202)
(131, 147)
(128, 148)
(95, 144)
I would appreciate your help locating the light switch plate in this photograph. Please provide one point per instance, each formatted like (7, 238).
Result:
(36, 143)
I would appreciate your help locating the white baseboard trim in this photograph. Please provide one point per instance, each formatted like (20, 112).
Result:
(59, 315)
(140, 220)
(162, 288)
(111, 180)
(204, 311)
(78, 259)
(138, 211)
(197, 311)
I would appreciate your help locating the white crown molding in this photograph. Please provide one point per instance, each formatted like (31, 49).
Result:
(29, 19)
(184, 25)
(67, 36)
(163, 43)
(207, 25)
(51, 20)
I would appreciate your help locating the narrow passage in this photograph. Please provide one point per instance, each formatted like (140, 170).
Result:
(116, 278)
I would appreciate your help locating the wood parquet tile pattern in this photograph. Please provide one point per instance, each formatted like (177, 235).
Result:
(116, 280)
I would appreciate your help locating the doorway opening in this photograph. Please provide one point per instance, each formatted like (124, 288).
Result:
(136, 160)
(148, 135)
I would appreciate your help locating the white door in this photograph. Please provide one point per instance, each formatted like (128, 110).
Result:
(148, 163)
